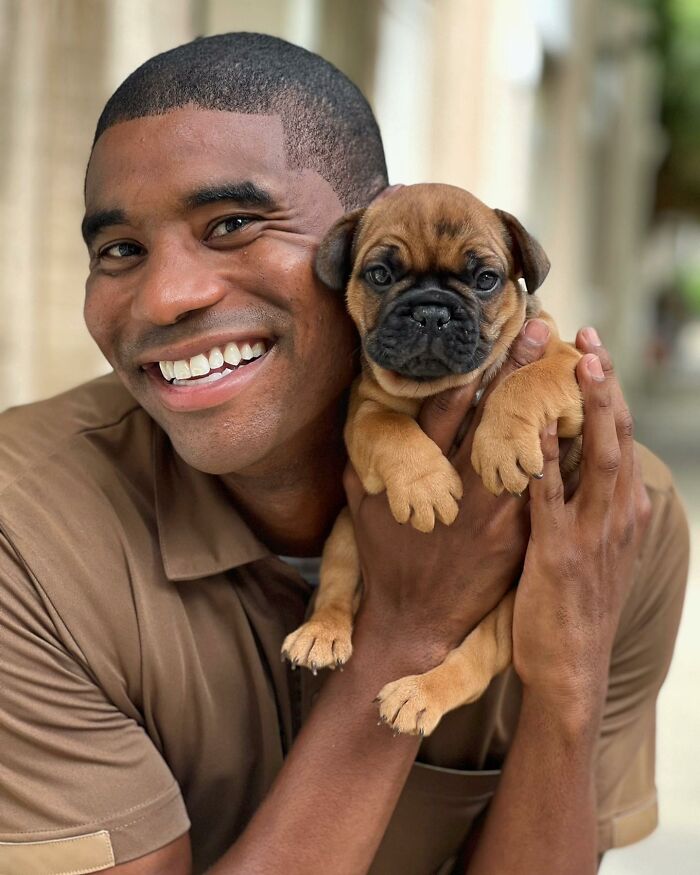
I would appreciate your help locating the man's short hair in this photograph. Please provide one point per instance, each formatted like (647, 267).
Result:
(328, 125)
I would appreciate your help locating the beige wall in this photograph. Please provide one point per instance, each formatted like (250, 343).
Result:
(466, 91)
(61, 60)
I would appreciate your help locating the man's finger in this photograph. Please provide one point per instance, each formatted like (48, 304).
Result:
(441, 416)
(600, 463)
(528, 347)
(353, 488)
(588, 341)
(547, 492)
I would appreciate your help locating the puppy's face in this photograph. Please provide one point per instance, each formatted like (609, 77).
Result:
(431, 275)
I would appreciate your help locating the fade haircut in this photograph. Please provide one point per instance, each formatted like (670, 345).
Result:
(328, 125)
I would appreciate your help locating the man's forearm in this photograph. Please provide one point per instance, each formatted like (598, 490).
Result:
(542, 819)
(332, 800)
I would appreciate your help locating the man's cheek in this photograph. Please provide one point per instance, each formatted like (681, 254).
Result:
(100, 323)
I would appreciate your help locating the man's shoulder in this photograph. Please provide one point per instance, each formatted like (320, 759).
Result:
(36, 437)
(73, 470)
(656, 475)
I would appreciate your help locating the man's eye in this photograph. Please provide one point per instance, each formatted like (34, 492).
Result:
(487, 281)
(120, 250)
(228, 226)
(379, 276)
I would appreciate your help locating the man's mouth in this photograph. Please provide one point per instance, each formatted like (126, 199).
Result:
(213, 364)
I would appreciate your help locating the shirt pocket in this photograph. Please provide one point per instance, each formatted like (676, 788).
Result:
(432, 819)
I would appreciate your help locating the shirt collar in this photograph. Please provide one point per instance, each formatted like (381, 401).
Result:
(200, 531)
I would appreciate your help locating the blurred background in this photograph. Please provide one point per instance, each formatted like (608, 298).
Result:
(581, 117)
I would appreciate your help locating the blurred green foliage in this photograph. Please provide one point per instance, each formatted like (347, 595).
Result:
(690, 291)
(679, 47)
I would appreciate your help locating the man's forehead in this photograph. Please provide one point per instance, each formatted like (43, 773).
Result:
(184, 149)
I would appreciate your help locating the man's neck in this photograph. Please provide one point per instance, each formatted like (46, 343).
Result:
(291, 504)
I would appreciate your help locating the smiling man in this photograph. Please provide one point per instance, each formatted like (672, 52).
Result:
(146, 722)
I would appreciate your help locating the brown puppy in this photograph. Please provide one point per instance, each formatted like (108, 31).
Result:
(433, 285)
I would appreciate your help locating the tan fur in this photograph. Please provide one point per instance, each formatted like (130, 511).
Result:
(431, 227)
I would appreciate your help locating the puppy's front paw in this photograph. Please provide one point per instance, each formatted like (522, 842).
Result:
(323, 642)
(425, 492)
(409, 706)
(506, 456)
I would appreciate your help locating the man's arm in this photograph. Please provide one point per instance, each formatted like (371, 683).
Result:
(577, 574)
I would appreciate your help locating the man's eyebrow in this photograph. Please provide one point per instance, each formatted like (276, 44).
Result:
(93, 223)
(247, 194)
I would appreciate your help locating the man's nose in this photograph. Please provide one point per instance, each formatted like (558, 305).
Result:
(175, 282)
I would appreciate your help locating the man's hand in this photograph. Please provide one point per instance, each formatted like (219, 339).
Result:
(579, 562)
(578, 571)
(434, 588)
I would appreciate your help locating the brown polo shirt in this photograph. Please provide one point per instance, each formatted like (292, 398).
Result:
(141, 690)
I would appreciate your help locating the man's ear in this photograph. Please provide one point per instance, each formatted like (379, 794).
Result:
(529, 256)
(334, 257)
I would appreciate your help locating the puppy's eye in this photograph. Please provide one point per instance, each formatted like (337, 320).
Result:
(487, 281)
(379, 276)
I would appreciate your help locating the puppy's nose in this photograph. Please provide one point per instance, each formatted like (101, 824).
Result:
(431, 316)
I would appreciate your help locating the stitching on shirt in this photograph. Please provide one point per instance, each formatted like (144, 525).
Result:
(651, 800)
(65, 443)
(110, 863)
(59, 645)
(168, 796)
(90, 429)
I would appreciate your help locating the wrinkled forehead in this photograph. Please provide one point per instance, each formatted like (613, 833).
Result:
(432, 227)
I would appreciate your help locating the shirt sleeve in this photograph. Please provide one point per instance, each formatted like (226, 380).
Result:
(82, 787)
(625, 779)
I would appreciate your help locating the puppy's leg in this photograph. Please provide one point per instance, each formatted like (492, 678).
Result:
(324, 641)
(390, 451)
(414, 705)
(506, 450)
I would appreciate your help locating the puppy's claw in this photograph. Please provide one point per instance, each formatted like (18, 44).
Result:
(539, 475)
(314, 669)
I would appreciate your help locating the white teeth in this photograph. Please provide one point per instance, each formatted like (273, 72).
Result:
(181, 370)
(199, 366)
(232, 355)
(210, 378)
(216, 358)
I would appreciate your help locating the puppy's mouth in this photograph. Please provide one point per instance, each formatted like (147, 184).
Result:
(425, 336)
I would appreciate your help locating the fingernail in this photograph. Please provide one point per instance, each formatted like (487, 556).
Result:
(552, 427)
(594, 367)
(536, 332)
(591, 336)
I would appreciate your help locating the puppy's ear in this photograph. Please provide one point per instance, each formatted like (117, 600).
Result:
(334, 257)
(529, 256)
